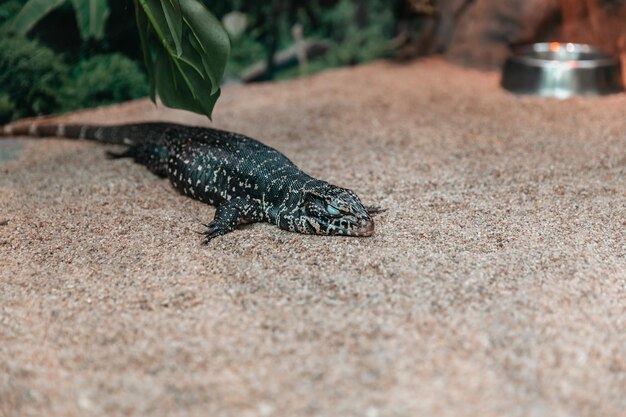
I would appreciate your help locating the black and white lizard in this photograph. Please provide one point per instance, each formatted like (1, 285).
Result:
(246, 180)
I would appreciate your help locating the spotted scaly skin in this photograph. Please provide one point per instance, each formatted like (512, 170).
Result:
(246, 180)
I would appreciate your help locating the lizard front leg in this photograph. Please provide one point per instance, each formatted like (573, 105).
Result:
(228, 216)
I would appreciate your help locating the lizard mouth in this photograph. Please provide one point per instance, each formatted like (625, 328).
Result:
(360, 228)
(363, 228)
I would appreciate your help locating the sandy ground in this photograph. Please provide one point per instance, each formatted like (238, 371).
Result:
(494, 286)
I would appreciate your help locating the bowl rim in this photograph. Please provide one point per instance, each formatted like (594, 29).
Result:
(522, 54)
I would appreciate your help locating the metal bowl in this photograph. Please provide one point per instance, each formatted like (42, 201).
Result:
(562, 70)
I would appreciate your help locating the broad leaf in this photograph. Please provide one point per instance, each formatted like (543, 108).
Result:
(213, 42)
(174, 18)
(32, 12)
(91, 16)
(143, 26)
(191, 52)
(156, 16)
(178, 94)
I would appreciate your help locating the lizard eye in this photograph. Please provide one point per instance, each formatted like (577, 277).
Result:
(333, 211)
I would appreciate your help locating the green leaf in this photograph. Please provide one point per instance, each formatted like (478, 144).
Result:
(143, 26)
(191, 52)
(91, 16)
(174, 18)
(179, 95)
(213, 42)
(32, 12)
(156, 16)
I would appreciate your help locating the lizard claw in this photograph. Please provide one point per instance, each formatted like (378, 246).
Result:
(213, 230)
(374, 210)
(204, 232)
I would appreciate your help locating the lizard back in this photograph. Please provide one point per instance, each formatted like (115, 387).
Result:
(214, 166)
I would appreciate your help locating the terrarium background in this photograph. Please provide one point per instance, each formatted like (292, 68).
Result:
(53, 70)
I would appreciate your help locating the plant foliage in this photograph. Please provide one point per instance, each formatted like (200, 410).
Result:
(185, 49)
(105, 79)
(34, 80)
(183, 45)
(30, 76)
(91, 16)
(8, 9)
(356, 43)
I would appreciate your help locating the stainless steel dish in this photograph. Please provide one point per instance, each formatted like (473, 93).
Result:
(562, 70)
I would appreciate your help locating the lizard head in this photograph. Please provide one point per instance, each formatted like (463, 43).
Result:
(325, 209)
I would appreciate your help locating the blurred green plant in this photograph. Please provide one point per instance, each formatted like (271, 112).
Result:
(35, 80)
(30, 77)
(184, 46)
(104, 79)
(8, 9)
(245, 46)
(91, 16)
(359, 30)
(358, 42)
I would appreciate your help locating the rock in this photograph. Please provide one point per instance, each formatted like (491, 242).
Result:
(481, 33)
(487, 29)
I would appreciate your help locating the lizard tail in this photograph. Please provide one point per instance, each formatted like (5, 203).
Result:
(102, 134)
(130, 134)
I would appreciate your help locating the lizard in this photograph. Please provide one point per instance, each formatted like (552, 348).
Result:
(244, 179)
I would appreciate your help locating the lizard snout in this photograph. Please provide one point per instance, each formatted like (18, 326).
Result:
(364, 227)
